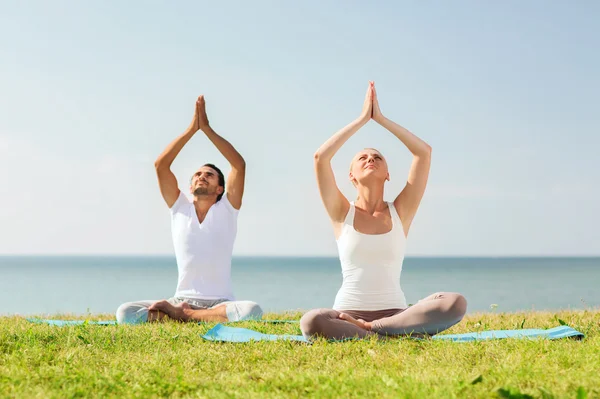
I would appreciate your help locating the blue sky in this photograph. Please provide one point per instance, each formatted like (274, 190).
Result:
(506, 93)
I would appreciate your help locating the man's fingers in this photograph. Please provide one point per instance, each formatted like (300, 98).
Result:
(200, 101)
(156, 305)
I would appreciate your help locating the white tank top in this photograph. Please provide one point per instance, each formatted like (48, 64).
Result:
(371, 266)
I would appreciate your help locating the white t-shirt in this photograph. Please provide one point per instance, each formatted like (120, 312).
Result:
(203, 250)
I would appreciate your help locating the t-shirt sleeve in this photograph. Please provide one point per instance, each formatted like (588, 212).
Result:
(228, 205)
(181, 200)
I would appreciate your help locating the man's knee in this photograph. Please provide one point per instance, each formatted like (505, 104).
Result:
(243, 310)
(130, 313)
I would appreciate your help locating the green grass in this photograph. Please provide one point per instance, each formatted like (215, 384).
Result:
(171, 360)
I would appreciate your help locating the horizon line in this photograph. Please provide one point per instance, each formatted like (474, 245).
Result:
(131, 255)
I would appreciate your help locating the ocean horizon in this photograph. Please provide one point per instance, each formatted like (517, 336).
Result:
(84, 284)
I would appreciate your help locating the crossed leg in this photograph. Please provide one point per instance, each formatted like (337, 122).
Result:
(429, 316)
(183, 309)
(184, 312)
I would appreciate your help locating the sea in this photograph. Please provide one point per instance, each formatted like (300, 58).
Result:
(80, 285)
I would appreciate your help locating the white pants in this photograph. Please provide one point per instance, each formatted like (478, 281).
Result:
(137, 312)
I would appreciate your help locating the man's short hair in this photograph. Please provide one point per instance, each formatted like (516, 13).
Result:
(221, 179)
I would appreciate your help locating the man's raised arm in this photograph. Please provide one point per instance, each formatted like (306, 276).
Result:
(235, 180)
(166, 179)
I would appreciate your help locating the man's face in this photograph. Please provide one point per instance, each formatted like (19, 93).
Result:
(206, 182)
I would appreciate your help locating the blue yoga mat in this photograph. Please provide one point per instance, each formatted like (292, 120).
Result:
(223, 333)
(61, 323)
(552, 333)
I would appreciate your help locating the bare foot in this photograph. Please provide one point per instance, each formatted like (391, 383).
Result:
(175, 312)
(359, 323)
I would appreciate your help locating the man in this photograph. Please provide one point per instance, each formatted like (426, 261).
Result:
(204, 232)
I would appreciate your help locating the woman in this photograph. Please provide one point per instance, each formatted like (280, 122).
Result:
(371, 237)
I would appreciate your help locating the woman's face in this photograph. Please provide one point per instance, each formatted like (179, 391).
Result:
(368, 165)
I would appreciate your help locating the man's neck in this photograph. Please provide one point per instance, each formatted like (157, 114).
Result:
(202, 204)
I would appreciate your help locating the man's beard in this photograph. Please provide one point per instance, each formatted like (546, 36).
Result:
(204, 191)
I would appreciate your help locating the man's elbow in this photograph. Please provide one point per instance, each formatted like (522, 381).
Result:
(160, 164)
(240, 164)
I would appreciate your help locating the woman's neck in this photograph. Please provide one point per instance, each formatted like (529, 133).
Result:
(370, 199)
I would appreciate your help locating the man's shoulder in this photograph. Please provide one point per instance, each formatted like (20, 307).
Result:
(182, 203)
(225, 209)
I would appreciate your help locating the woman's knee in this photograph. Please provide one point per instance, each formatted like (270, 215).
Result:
(317, 322)
(455, 305)
(312, 322)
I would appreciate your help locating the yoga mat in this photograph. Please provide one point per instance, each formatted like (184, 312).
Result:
(61, 323)
(552, 333)
(221, 333)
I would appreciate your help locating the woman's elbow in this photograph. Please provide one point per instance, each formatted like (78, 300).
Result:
(321, 157)
(317, 156)
(426, 151)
